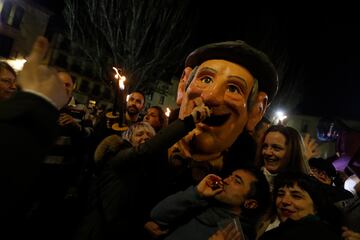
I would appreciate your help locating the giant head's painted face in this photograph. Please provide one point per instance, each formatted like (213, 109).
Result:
(224, 87)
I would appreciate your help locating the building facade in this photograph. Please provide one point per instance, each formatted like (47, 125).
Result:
(20, 23)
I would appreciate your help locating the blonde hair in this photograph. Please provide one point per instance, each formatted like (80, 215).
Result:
(128, 134)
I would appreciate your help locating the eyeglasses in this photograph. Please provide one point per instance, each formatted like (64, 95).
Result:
(8, 81)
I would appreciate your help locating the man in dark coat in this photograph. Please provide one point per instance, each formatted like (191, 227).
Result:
(27, 126)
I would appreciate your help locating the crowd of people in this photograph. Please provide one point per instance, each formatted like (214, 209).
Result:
(216, 169)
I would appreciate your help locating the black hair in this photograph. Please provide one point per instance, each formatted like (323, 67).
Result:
(140, 92)
(317, 192)
(259, 191)
(162, 117)
(323, 165)
(6, 66)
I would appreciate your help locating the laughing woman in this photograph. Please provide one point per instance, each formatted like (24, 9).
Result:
(282, 150)
(303, 211)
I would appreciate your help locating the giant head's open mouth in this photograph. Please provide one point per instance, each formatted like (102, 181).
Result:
(217, 120)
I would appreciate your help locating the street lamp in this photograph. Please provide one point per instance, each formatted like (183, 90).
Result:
(279, 117)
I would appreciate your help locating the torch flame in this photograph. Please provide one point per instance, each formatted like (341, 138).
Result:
(120, 77)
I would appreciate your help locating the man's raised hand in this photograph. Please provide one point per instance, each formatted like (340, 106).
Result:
(40, 79)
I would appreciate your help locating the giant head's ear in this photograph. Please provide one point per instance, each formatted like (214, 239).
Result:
(257, 111)
(250, 204)
(182, 83)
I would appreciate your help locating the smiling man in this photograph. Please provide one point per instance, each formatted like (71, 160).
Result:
(237, 82)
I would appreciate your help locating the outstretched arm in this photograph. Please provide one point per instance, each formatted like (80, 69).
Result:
(27, 129)
(183, 203)
(177, 207)
(162, 140)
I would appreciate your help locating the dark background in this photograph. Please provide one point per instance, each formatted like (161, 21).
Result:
(315, 49)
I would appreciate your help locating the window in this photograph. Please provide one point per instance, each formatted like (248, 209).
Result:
(96, 90)
(5, 46)
(84, 86)
(19, 13)
(304, 126)
(162, 99)
(5, 12)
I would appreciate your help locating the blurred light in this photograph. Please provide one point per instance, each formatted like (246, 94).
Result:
(279, 117)
(127, 97)
(121, 78)
(168, 111)
(16, 64)
(350, 183)
(91, 104)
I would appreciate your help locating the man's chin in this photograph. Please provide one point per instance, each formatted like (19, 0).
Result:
(132, 112)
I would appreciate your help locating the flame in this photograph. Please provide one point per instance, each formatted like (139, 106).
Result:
(121, 78)
(168, 111)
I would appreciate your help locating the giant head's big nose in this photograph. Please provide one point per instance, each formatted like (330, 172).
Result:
(213, 95)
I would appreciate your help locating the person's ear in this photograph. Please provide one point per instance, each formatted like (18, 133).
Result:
(250, 204)
(182, 83)
(257, 111)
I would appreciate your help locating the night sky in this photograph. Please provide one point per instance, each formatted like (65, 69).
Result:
(316, 49)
